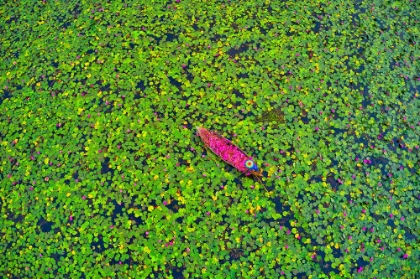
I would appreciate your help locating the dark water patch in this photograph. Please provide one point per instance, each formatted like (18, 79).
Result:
(317, 27)
(360, 52)
(141, 85)
(337, 131)
(6, 95)
(175, 270)
(171, 37)
(397, 144)
(118, 210)
(237, 50)
(238, 254)
(174, 206)
(116, 261)
(106, 108)
(98, 245)
(105, 166)
(13, 19)
(380, 163)
(54, 64)
(300, 273)
(279, 206)
(238, 94)
(381, 24)
(243, 76)
(361, 262)
(218, 37)
(75, 175)
(132, 45)
(363, 140)
(77, 9)
(137, 220)
(180, 220)
(360, 69)
(325, 266)
(235, 254)
(410, 234)
(45, 225)
(183, 162)
(189, 76)
(315, 179)
(334, 183)
(337, 253)
(377, 217)
(81, 81)
(304, 117)
(175, 83)
(51, 82)
(16, 218)
(65, 25)
(284, 221)
(59, 256)
(367, 100)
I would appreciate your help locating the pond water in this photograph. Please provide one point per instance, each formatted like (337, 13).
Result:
(102, 173)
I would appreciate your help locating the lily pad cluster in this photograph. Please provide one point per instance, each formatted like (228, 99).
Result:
(103, 176)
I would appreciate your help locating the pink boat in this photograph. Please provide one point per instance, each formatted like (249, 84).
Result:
(229, 152)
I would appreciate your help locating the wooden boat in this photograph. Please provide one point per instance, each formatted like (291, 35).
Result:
(229, 152)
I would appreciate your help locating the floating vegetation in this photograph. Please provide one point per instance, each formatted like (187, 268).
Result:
(103, 176)
(275, 115)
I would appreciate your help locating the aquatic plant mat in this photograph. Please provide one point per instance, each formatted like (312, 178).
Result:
(103, 176)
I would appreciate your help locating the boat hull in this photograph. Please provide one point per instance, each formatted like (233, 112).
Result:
(226, 150)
